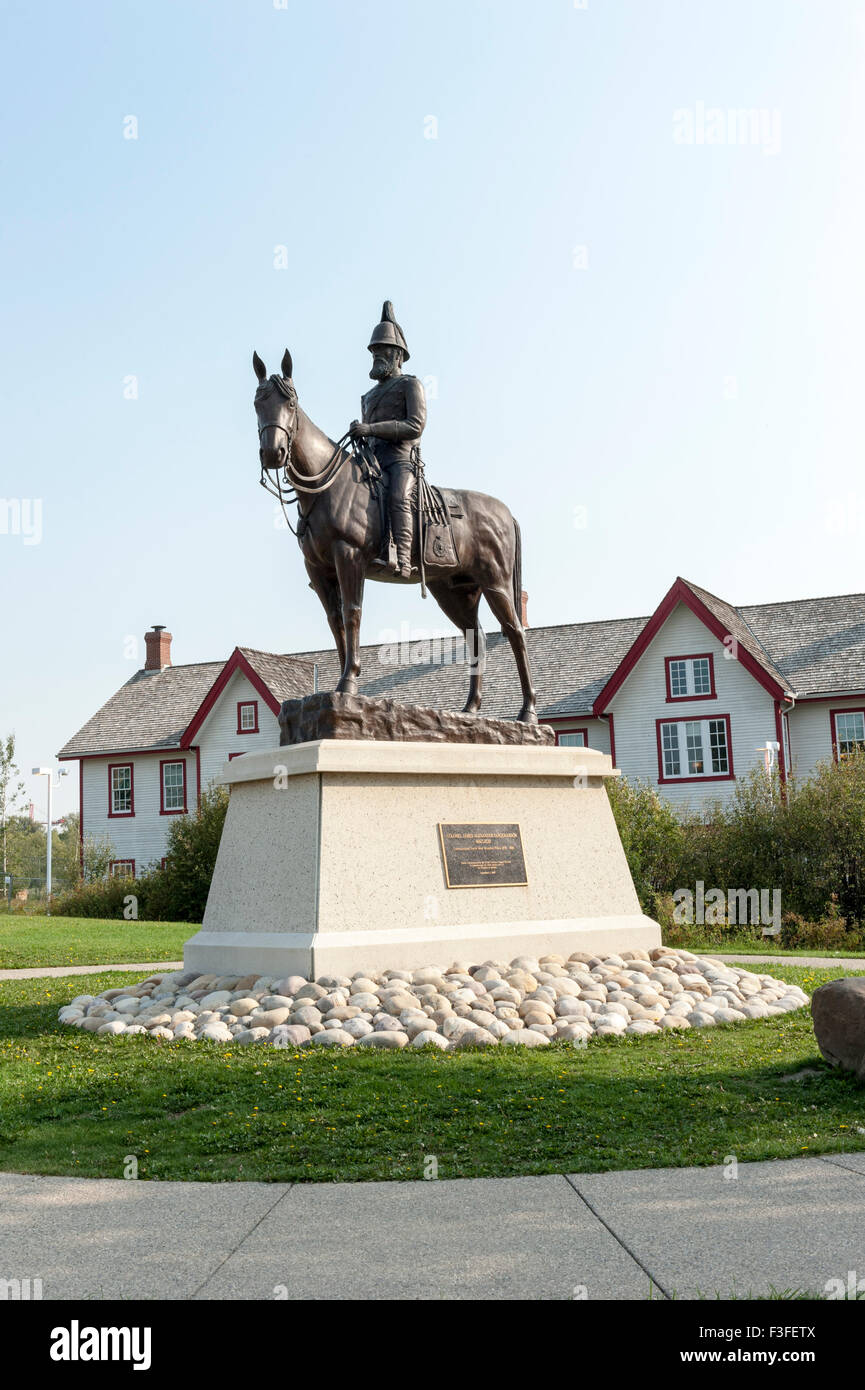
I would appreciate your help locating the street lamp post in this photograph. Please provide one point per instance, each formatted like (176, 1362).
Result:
(49, 773)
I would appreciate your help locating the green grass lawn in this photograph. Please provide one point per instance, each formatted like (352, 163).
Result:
(35, 941)
(73, 1103)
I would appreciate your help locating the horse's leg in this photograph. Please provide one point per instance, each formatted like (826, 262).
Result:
(349, 563)
(501, 602)
(327, 588)
(461, 606)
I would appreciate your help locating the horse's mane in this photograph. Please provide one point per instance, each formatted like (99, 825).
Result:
(280, 384)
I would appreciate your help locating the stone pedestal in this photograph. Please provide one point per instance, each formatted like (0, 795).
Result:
(331, 860)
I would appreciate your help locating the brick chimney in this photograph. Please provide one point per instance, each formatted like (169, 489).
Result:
(524, 608)
(158, 644)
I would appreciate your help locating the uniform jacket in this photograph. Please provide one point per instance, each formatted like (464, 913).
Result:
(397, 409)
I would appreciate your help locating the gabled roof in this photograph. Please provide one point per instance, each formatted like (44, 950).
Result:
(722, 620)
(276, 678)
(154, 709)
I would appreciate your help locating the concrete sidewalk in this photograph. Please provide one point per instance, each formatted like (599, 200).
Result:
(812, 962)
(668, 1233)
(53, 972)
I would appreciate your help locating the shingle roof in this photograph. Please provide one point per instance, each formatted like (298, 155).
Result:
(150, 711)
(740, 629)
(811, 646)
(153, 709)
(570, 665)
(819, 643)
(286, 677)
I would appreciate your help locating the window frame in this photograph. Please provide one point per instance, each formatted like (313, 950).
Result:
(163, 809)
(561, 732)
(712, 694)
(246, 704)
(121, 815)
(112, 864)
(728, 776)
(837, 755)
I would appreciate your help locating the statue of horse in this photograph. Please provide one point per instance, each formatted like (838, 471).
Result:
(342, 529)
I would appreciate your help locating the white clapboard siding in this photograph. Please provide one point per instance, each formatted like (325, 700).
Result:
(598, 730)
(218, 737)
(642, 700)
(141, 836)
(811, 731)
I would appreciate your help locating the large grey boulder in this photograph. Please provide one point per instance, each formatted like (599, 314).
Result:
(838, 1011)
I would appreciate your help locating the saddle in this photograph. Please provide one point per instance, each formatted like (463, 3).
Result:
(434, 507)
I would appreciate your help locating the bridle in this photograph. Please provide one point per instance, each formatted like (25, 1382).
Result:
(288, 486)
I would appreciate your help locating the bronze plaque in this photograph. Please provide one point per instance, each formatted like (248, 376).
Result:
(477, 855)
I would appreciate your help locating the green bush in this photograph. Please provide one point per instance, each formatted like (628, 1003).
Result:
(805, 838)
(96, 898)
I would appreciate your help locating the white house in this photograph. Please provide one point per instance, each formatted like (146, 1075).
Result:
(687, 699)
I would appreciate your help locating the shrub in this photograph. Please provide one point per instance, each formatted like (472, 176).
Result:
(95, 898)
(806, 838)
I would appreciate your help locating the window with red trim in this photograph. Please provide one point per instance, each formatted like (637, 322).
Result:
(573, 738)
(232, 756)
(172, 787)
(695, 750)
(690, 677)
(121, 789)
(122, 868)
(848, 731)
(247, 716)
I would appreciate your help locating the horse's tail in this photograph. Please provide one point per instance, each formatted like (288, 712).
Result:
(518, 570)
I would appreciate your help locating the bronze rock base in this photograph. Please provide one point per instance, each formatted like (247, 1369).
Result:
(329, 715)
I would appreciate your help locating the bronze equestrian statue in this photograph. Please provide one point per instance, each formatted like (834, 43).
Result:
(464, 545)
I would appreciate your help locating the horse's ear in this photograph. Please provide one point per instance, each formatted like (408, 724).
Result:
(286, 365)
(258, 367)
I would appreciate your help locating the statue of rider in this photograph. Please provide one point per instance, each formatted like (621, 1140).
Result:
(393, 419)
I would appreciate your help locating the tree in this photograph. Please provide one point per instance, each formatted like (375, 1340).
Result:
(25, 850)
(66, 851)
(11, 787)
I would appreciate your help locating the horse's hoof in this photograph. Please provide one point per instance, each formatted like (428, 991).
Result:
(472, 709)
(527, 716)
(346, 687)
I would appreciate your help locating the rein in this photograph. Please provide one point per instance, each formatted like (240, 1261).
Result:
(289, 487)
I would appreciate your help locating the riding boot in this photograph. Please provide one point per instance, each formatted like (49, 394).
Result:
(403, 527)
(402, 518)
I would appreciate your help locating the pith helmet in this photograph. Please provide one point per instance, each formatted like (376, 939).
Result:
(388, 331)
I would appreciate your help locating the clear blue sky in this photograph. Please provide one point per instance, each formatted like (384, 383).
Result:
(693, 379)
